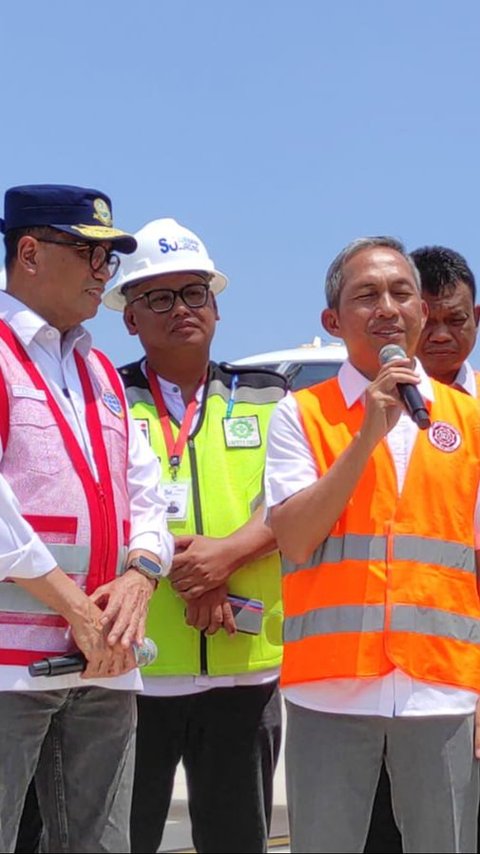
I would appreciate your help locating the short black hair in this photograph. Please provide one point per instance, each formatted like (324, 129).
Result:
(12, 237)
(442, 269)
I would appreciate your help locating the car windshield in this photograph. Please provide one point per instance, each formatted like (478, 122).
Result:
(301, 375)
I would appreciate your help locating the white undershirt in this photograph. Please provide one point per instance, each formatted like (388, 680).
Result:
(22, 553)
(179, 685)
(290, 467)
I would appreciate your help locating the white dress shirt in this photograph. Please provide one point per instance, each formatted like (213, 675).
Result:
(466, 379)
(22, 552)
(290, 467)
(166, 686)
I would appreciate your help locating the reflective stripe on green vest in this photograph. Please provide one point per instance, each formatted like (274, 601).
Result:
(227, 486)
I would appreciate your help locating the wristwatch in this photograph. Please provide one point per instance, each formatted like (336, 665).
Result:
(150, 568)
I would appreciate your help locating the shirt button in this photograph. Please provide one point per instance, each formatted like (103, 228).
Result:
(175, 389)
(50, 333)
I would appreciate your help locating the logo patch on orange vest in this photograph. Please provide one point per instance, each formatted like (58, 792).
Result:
(444, 437)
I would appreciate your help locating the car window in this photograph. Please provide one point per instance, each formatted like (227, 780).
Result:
(264, 366)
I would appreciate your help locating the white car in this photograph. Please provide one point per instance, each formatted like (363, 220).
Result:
(305, 365)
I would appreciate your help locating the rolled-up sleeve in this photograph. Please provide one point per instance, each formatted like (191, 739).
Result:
(22, 553)
(290, 465)
(147, 503)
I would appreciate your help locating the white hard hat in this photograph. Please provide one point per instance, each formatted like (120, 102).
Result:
(163, 246)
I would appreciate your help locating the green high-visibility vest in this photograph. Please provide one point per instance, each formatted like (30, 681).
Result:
(224, 462)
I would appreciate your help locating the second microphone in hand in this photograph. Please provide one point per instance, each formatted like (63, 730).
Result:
(75, 662)
(411, 397)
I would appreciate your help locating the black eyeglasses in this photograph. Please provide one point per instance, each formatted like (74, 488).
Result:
(98, 254)
(162, 300)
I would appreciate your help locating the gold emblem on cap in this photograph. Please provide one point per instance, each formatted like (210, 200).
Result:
(102, 212)
(98, 232)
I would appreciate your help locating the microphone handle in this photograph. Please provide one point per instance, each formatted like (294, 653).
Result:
(414, 404)
(75, 662)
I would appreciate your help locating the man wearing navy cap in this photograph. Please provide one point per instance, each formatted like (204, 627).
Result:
(83, 538)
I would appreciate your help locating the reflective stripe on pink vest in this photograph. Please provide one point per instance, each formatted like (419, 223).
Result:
(85, 523)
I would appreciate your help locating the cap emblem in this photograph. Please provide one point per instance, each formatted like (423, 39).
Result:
(102, 212)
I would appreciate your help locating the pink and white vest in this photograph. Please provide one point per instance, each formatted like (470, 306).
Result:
(84, 522)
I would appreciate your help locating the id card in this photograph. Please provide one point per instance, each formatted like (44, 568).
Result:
(176, 493)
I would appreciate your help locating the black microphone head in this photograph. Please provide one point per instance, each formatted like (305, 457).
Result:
(390, 353)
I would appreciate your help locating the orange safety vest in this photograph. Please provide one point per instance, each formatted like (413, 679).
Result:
(394, 583)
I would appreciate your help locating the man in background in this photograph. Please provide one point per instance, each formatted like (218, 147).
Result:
(211, 698)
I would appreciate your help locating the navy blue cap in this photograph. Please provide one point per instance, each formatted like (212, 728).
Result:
(77, 210)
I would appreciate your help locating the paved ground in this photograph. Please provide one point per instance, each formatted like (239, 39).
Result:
(177, 836)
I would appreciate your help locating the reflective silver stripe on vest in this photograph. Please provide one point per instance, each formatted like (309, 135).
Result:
(439, 552)
(134, 395)
(337, 549)
(247, 394)
(16, 600)
(257, 501)
(433, 621)
(367, 547)
(72, 559)
(337, 620)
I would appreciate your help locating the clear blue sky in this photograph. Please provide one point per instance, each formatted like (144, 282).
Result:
(278, 131)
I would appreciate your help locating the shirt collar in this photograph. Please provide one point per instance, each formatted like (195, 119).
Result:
(466, 379)
(170, 389)
(353, 384)
(28, 325)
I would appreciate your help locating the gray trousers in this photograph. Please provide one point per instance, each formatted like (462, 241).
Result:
(332, 767)
(80, 745)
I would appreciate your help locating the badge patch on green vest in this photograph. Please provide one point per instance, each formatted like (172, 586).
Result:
(242, 432)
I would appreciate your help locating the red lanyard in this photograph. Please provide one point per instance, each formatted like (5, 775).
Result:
(175, 447)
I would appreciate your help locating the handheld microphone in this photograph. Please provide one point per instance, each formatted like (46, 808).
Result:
(409, 393)
(76, 662)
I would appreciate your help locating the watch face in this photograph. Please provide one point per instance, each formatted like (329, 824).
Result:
(154, 569)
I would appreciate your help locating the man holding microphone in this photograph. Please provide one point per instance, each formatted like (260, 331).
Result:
(377, 517)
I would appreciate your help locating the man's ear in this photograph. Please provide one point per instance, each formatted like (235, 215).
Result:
(425, 313)
(476, 314)
(27, 254)
(215, 308)
(330, 322)
(129, 319)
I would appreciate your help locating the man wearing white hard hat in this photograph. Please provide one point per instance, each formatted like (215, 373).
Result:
(211, 700)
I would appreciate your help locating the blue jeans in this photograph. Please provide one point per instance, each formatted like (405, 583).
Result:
(80, 744)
